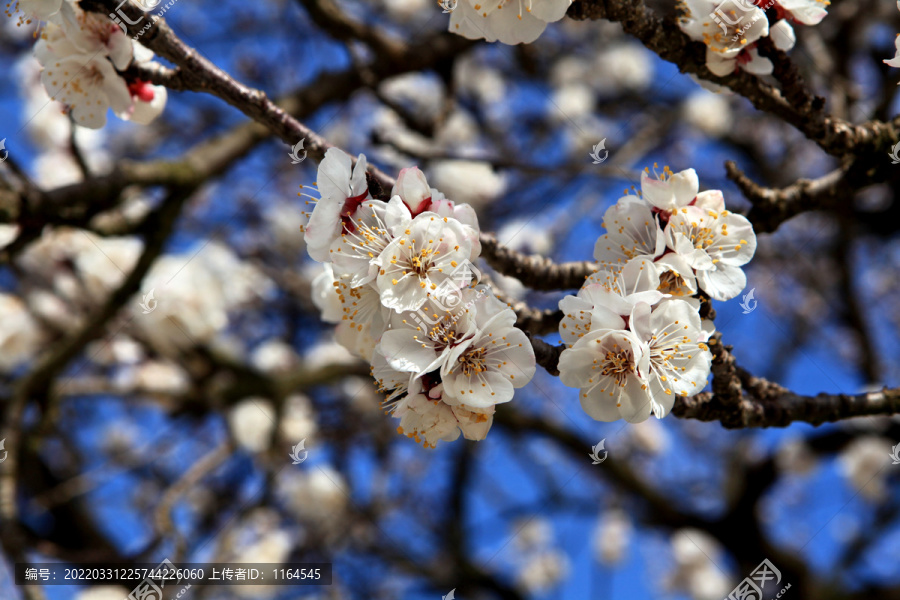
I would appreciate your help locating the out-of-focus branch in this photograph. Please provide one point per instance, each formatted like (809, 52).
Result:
(36, 384)
(772, 207)
(200, 469)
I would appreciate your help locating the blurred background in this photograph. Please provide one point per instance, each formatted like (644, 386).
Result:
(167, 434)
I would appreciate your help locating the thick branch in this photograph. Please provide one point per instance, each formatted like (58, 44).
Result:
(536, 272)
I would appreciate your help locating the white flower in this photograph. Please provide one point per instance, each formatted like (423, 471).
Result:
(317, 497)
(862, 464)
(251, 422)
(696, 556)
(670, 191)
(609, 366)
(358, 311)
(484, 369)
(715, 243)
(543, 570)
(632, 231)
(532, 534)
(87, 83)
(82, 53)
(365, 235)
(92, 33)
(428, 415)
(342, 189)
(808, 12)
(412, 188)
(421, 342)
(20, 336)
(274, 356)
(420, 259)
(299, 419)
(678, 360)
(526, 236)
(509, 21)
(607, 298)
(711, 113)
(612, 536)
(729, 35)
(630, 373)
(195, 292)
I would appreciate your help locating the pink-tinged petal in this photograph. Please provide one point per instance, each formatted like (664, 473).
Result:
(808, 12)
(413, 189)
(674, 192)
(758, 65)
(145, 112)
(710, 200)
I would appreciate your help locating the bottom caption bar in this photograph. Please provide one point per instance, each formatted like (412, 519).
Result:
(151, 577)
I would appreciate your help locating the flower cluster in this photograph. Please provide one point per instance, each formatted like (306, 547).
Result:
(731, 29)
(84, 56)
(399, 282)
(635, 336)
(509, 21)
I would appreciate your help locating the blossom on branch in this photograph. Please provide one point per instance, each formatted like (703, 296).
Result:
(398, 283)
(84, 55)
(507, 21)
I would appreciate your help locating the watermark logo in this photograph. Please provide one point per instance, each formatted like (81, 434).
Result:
(296, 452)
(895, 455)
(728, 17)
(5, 152)
(449, 6)
(149, 302)
(2, 447)
(722, 15)
(894, 154)
(452, 593)
(751, 588)
(601, 145)
(296, 159)
(121, 19)
(595, 452)
(748, 303)
(446, 300)
(149, 590)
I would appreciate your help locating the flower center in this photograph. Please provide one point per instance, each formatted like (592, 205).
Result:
(618, 364)
(473, 361)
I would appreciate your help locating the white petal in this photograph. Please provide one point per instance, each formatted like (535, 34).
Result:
(723, 283)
